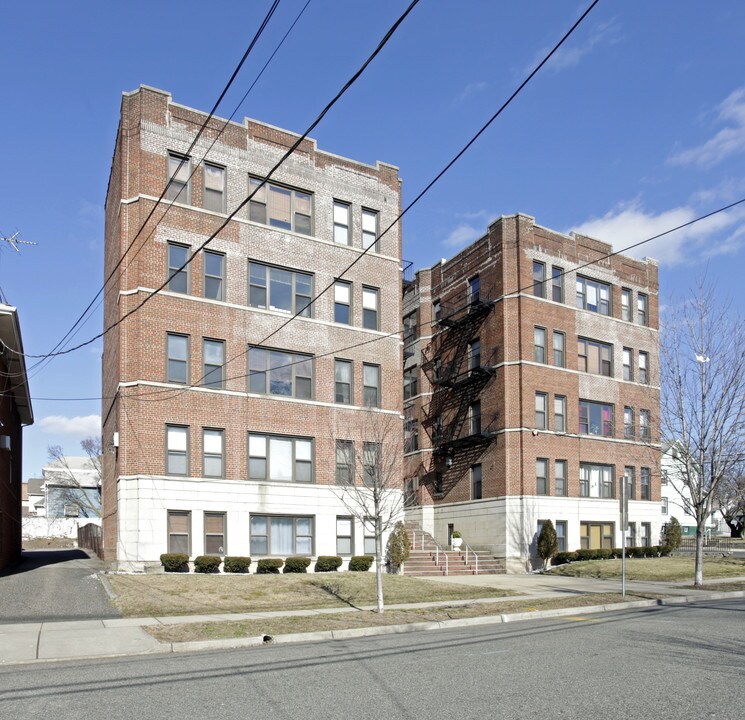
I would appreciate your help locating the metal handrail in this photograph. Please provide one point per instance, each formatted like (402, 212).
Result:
(475, 554)
(438, 547)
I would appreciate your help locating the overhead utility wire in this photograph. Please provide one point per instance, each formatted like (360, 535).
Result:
(250, 47)
(177, 390)
(248, 198)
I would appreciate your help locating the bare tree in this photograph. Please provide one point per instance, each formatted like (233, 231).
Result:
(370, 482)
(731, 500)
(703, 400)
(71, 491)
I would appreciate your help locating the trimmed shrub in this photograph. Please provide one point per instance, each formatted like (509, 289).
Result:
(328, 563)
(175, 562)
(207, 563)
(665, 550)
(236, 564)
(616, 553)
(604, 554)
(296, 564)
(548, 543)
(398, 548)
(672, 537)
(361, 563)
(585, 554)
(563, 558)
(269, 566)
(638, 552)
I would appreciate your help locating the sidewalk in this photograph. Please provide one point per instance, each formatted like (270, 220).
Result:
(45, 641)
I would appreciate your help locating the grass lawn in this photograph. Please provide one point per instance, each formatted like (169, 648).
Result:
(725, 586)
(670, 569)
(193, 594)
(342, 621)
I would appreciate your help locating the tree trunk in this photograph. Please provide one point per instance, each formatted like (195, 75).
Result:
(699, 566)
(378, 559)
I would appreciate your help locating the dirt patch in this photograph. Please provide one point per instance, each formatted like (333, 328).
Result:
(52, 543)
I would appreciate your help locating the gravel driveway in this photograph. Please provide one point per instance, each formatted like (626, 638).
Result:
(49, 585)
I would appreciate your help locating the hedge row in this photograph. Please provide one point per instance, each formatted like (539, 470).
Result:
(605, 554)
(178, 562)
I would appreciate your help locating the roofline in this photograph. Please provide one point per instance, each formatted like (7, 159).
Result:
(17, 365)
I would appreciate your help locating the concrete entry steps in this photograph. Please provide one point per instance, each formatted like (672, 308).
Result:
(425, 560)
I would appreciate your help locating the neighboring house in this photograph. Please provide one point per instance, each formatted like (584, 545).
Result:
(33, 497)
(228, 433)
(15, 413)
(531, 391)
(71, 489)
(674, 494)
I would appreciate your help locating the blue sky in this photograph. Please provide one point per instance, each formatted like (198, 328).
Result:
(638, 125)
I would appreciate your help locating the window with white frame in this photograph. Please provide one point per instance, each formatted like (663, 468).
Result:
(342, 302)
(561, 535)
(370, 308)
(370, 230)
(281, 373)
(281, 535)
(179, 532)
(371, 385)
(559, 342)
(213, 362)
(595, 357)
(643, 367)
(213, 458)
(560, 413)
(369, 531)
(275, 288)
(664, 508)
(214, 275)
(642, 309)
(560, 478)
(280, 458)
(626, 304)
(214, 188)
(541, 421)
(541, 476)
(177, 450)
(280, 207)
(629, 477)
(539, 344)
(628, 360)
(596, 480)
(342, 224)
(344, 536)
(179, 174)
(593, 295)
(343, 381)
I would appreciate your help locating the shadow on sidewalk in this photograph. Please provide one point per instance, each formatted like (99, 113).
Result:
(34, 559)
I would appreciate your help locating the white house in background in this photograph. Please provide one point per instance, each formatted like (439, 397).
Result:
(71, 489)
(673, 492)
(33, 498)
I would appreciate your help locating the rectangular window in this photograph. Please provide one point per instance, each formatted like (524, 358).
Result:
(370, 230)
(629, 477)
(344, 536)
(593, 295)
(411, 376)
(539, 344)
(664, 507)
(474, 418)
(644, 429)
(476, 482)
(646, 489)
(663, 477)
(178, 279)
(179, 173)
(557, 284)
(343, 382)
(596, 536)
(541, 476)
(342, 302)
(214, 188)
(214, 534)
(642, 309)
(281, 535)
(628, 423)
(371, 464)
(411, 430)
(560, 478)
(370, 311)
(213, 361)
(371, 385)
(474, 290)
(595, 357)
(561, 535)
(596, 480)
(539, 279)
(177, 358)
(595, 418)
(276, 372)
(438, 483)
(369, 530)
(540, 411)
(280, 207)
(474, 354)
(410, 330)
(214, 273)
(646, 534)
(437, 310)
(560, 413)
(643, 367)
(628, 360)
(213, 457)
(626, 304)
(280, 458)
(341, 223)
(179, 532)
(559, 341)
(344, 462)
(177, 450)
(273, 288)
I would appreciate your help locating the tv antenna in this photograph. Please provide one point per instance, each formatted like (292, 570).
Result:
(14, 240)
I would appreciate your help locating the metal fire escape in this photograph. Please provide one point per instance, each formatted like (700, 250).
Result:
(459, 373)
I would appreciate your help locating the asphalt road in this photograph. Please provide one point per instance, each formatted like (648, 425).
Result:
(685, 662)
(51, 585)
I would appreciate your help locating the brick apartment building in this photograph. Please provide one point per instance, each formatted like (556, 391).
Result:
(530, 391)
(214, 442)
(15, 413)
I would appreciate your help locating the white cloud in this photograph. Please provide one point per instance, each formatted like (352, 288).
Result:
(463, 235)
(727, 142)
(630, 223)
(81, 425)
(473, 88)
